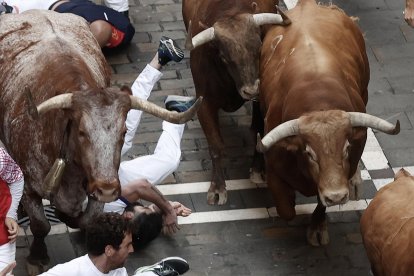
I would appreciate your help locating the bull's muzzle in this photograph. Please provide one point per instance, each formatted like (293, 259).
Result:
(106, 192)
(330, 198)
(250, 92)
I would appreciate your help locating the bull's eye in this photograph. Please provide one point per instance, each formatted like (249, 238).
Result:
(310, 154)
(82, 134)
(346, 150)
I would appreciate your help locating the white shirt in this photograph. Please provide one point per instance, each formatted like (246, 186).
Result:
(118, 5)
(82, 266)
(24, 5)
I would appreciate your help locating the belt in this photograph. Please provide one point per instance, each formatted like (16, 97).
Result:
(56, 4)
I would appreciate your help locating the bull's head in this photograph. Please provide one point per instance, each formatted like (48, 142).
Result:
(239, 43)
(98, 129)
(324, 141)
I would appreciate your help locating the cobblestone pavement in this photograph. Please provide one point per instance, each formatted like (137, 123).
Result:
(239, 241)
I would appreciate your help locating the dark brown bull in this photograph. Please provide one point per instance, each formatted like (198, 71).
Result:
(225, 64)
(387, 228)
(56, 58)
(314, 77)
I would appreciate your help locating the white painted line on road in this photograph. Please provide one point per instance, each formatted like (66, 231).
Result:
(262, 213)
(373, 157)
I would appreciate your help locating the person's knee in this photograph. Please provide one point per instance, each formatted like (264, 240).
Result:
(102, 31)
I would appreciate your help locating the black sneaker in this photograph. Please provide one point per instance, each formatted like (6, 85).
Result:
(171, 266)
(169, 50)
(178, 103)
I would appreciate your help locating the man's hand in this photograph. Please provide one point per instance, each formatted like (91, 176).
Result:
(180, 209)
(409, 12)
(169, 225)
(13, 228)
(8, 269)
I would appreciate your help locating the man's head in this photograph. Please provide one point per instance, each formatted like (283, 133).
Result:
(109, 234)
(146, 224)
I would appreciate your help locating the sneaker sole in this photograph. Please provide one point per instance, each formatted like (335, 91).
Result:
(169, 44)
(178, 98)
(177, 263)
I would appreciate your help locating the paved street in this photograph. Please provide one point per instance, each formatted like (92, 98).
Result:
(245, 236)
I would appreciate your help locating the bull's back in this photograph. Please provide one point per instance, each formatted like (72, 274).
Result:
(46, 53)
(387, 227)
(320, 40)
(208, 12)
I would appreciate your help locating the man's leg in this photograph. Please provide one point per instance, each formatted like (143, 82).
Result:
(145, 82)
(166, 158)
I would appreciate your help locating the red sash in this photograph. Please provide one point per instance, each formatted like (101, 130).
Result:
(5, 202)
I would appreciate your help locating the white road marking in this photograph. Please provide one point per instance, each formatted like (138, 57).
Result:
(373, 159)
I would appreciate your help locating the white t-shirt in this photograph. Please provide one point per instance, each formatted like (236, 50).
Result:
(81, 266)
(20, 6)
(118, 5)
(117, 206)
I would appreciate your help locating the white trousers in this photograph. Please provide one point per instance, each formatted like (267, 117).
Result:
(7, 254)
(165, 160)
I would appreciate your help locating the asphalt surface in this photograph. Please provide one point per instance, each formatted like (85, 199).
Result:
(245, 237)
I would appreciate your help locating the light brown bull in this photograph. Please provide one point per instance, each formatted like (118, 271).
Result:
(314, 76)
(387, 228)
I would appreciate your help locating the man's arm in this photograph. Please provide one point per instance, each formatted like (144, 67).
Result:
(409, 12)
(142, 189)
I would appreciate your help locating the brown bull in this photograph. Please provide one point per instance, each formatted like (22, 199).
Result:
(55, 58)
(387, 228)
(225, 64)
(314, 76)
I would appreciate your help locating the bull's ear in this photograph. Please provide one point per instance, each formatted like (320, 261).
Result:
(290, 143)
(202, 25)
(126, 89)
(255, 7)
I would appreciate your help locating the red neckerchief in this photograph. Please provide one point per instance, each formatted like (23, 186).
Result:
(5, 202)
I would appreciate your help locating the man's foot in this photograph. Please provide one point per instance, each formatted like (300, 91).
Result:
(171, 266)
(169, 50)
(179, 103)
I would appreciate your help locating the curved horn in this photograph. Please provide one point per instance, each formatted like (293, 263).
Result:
(267, 18)
(284, 130)
(365, 120)
(59, 101)
(170, 116)
(202, 37)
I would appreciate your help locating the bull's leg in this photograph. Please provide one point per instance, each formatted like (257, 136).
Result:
(38, 259)
(283, 195)
(208, 117)
(355, 185)
(93, 208)
(317, 232)
(257, 172)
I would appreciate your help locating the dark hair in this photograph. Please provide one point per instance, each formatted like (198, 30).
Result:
(105, 229)
(144, 227)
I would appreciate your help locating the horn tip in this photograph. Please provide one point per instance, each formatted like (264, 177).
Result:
(259, 145)
(396, 130)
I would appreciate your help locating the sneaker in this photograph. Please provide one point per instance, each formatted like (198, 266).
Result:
(169, 50)
(171, 266)
(179, 103)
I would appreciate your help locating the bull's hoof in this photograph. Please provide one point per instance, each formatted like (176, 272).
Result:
(37, 268)
(256, 177)
(216, 197)
(318, 236)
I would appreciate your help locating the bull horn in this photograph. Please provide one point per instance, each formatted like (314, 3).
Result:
(284, 130)
(59, 101)
(170, 116)
(365, 120)
(200, 39)
(267, 18)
